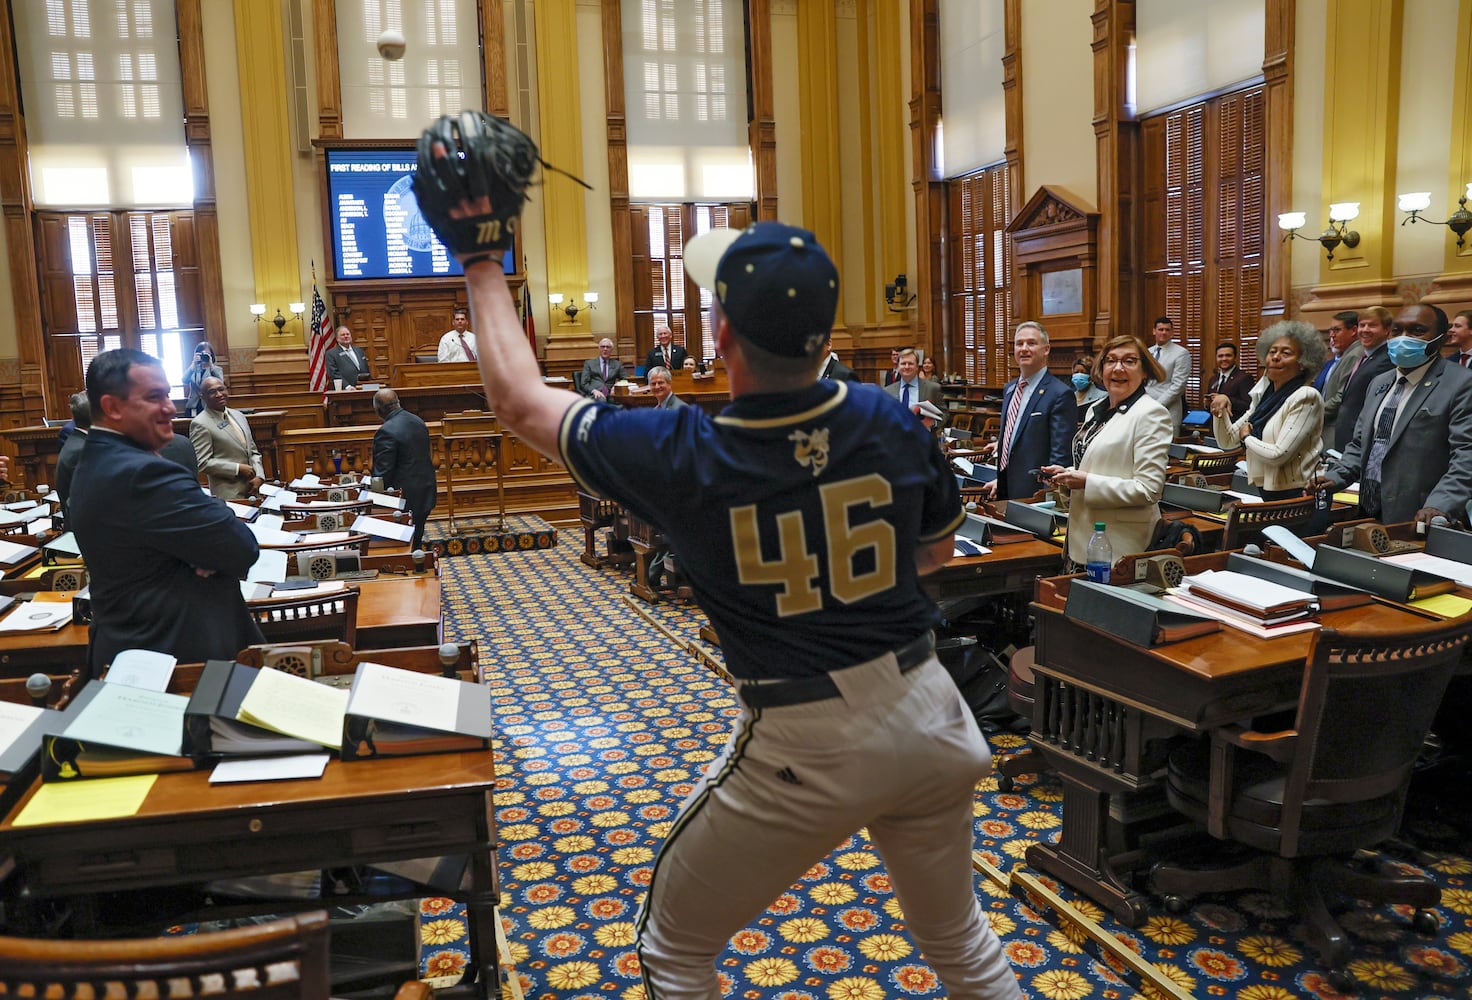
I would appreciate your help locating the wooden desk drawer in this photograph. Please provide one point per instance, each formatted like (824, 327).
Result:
(429, 833)
(104, 866)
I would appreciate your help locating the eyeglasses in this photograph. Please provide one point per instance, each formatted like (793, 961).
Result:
(1132, 361)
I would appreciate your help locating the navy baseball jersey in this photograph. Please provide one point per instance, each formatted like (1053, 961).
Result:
(796, 517)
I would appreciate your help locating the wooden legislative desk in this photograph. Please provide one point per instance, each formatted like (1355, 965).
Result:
(352, 407)
(1012, 568)
(393, 611)
(37, 447)
(189, 831)
(1101, 701)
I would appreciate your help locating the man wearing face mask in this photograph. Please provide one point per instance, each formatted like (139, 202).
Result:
(1039, 417)
(1412, 445)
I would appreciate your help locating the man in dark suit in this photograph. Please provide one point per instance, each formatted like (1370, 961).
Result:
(1374, 330)
(1412, 447)
(910, 388)
(893, 374)
(346, 362)
(1039, 416)
(166, 558)
(71, 451)
(401, 456)
(601, 373)
(835, 369)
(665, 353)
(1229, 381)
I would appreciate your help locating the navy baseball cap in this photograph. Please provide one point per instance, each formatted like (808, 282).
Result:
(775, 283)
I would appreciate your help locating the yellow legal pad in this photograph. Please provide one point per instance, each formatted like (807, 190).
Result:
(1446, 605)
(79, 801)
(1351, 498)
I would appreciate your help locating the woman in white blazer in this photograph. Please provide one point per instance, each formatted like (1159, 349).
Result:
(1282, 430)
(1119, 456)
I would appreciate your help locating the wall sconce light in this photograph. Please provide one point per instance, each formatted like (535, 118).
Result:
(896, 294)
(571, 308)
(1341, 213)
(258, 309)
(1418, 201)
(297, 308)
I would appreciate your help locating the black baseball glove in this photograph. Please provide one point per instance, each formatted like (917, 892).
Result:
(474, 169)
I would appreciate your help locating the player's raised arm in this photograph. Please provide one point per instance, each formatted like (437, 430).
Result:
(470, 184)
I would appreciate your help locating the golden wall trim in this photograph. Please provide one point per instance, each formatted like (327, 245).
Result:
(269, 190)
(818, 99)
(890, 112)
(560, 112)
(1361, 118)
(1459, 262)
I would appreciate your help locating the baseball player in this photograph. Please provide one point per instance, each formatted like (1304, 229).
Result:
(804, 516)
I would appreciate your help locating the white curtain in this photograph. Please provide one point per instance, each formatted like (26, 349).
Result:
(685, 98)
(439, 73)
(1188, 48)
(104, 103)
(973, 115)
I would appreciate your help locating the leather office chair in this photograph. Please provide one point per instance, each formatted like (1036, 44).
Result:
(1308, 798)
(285, 959)
(319, 616)
(1245, 521)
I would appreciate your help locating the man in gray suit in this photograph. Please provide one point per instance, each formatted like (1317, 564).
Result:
(910, 388)
(1176, 361)
(1332, 378)
(223, 445)
(659, 387)
(1412, 446)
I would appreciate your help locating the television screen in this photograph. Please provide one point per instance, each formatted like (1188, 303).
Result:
(377, 229)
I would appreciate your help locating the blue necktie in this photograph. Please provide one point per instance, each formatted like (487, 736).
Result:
(1323, 378)
(905, 395)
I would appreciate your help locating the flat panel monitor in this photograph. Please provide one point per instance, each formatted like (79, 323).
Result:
(377, 228)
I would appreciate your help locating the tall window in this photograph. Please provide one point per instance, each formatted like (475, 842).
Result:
(119, 279)
(439, 73)
(663, 294)
(685, 89)
(981, 275)
(1205, 224)
(104, 103)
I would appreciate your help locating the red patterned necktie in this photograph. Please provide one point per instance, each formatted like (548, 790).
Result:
(1011, 422)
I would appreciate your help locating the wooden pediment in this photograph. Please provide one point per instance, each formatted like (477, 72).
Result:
(1054, 225)
(1052, 206)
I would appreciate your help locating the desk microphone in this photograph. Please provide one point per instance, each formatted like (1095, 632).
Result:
(418, 557)
(449, 656)
(38, 686)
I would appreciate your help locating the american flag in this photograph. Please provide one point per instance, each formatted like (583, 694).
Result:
(318, 341)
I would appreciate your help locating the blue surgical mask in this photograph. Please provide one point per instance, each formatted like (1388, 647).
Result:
(1080, 381)
(1407, 352)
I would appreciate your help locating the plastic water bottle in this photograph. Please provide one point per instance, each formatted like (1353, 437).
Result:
(1100, 555)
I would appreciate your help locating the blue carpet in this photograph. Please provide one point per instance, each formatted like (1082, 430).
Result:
(603, 726)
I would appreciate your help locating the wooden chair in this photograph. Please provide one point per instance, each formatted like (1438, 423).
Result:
(1210, 465)
(357, 541)
(317, 616)
(1245, 521)
(1308, 798)
(285, 959)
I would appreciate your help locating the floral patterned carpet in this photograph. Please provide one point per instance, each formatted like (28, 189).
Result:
(604, 722)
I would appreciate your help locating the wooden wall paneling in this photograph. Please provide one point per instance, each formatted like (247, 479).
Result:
(15, 205)
(1280, 18)
(1117, 140)
(1012, 124)
(929, 283)
(204, 231)
(190, 274)
(623, 222)
(493, 59)
(329, 83)
(761, 112)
